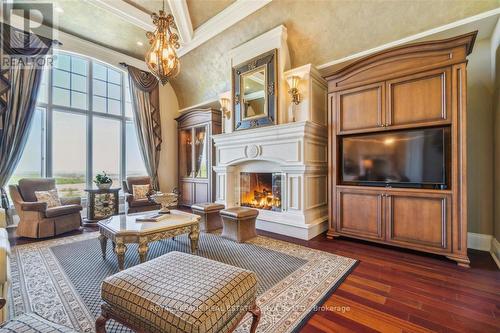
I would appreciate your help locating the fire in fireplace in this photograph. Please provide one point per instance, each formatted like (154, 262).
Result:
(260, 190)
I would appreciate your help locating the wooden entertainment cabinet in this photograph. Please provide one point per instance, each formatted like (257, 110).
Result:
(413, 86)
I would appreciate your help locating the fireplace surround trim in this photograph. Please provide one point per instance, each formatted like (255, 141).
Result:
(297, 150)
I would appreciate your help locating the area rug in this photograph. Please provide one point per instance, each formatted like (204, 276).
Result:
(60, 279)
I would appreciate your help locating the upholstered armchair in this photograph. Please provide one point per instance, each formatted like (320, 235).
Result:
(36, 220)
(136, 205)
(4, 265)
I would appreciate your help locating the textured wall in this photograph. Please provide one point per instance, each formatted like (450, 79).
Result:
(318, 32)
(480, 116)
(496, 104)
(167, 172)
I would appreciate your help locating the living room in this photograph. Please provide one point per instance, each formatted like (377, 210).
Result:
(250, 165)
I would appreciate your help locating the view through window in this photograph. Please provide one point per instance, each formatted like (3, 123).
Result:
(83, 125)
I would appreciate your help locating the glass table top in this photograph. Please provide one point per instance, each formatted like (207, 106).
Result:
(128, 223)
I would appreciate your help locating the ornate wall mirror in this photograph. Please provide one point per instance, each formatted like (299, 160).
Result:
(254, 89)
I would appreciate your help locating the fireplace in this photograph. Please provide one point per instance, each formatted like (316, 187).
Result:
(261, 190)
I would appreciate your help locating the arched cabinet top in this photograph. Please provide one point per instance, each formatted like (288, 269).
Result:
(402, 60)
(199, 116)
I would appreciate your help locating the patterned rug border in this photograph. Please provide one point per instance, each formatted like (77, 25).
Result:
(283, 312)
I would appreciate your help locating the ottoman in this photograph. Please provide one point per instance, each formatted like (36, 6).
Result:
(179, 292)
(33, 323)
(210, 218)
(239, 223)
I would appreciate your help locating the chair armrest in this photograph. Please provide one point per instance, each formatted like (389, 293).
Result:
(34, 206)
(3, 218)
(71, 201)
(129, 197)
(4, 254)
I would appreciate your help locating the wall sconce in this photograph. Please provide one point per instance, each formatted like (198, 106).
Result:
(224, 103)
(294, 91)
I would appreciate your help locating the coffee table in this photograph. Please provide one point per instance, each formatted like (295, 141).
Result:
(124, 229)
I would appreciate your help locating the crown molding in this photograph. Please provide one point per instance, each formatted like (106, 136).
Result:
(326, 69)
(180, 12)
(190, 39)
(127, 12)
(222, 21)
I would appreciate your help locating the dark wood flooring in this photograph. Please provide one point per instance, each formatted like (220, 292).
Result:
(394, 290)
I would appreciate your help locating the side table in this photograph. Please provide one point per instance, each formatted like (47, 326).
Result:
(101, 204)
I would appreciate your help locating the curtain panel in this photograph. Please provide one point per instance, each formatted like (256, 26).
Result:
(144, 91)
(19, 85)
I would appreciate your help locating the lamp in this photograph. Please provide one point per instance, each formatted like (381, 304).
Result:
(294, 91)
(224, 103)
(161, 59)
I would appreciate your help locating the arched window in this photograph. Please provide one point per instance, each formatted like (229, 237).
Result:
(83, 125)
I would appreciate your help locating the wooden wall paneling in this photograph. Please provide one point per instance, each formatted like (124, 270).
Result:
(360, 212)
(459, 165)
(419, 99)
(421, 220)
(403, 60)
(361, 108)
(332, 168)
(411, 86)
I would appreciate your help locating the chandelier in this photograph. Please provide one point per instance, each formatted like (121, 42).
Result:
(161, 58)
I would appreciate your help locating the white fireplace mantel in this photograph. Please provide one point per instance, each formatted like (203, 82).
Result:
(296, 150)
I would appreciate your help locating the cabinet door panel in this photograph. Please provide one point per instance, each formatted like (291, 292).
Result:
(422, 220)
(187, 194)
(419, 99)
(201, 193)
(361, 108)
(359, 213)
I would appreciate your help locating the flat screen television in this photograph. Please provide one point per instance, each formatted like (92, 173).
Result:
(409, 158)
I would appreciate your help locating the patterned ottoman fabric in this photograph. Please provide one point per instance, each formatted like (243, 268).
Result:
(179, 292)
(32, 323)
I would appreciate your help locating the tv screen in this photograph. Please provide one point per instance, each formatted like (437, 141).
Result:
(404, 158)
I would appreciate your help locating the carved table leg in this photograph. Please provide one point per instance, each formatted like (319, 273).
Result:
(104, 241)
(193, 237)
(143, 249)
(120, 250)
(100, 323)
(256, 314)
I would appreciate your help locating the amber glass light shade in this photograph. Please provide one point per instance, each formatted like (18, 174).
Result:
(161, 58)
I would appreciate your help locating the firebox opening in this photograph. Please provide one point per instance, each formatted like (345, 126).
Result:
(260, 190)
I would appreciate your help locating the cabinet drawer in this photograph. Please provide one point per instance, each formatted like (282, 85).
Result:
(419, 219)
(360, 109)
(419, 99)
(360, 213)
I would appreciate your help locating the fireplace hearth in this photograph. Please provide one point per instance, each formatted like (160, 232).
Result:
(261, 190)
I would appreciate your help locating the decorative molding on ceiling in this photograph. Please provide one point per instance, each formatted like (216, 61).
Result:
(127, 12)
(180, 11)
(220, 22)
(190, 39)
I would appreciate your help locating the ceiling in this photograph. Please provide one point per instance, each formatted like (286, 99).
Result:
(121, 25)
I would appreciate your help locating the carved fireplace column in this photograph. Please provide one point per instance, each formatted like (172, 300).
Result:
(225, 185)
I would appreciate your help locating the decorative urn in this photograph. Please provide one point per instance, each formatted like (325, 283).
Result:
(166, 200)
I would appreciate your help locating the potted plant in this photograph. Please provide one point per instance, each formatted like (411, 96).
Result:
(103, 181)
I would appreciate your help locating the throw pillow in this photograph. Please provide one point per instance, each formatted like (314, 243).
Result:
(140, 191)
(51, 197)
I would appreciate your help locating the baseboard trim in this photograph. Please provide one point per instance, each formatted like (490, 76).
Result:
(495, 250)
(480, 242)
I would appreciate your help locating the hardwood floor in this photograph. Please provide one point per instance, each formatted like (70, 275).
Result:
(393, 290)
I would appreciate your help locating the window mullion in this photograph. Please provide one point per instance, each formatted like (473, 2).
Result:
(48, 127)
(90, 125)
